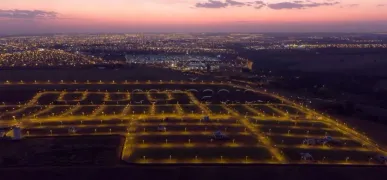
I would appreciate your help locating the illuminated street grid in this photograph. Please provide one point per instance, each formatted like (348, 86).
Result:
(262, 127)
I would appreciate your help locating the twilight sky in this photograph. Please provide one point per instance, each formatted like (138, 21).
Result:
(47, 16)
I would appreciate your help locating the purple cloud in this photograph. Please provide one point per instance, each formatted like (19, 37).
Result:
(212, 4)
(28, 14)
(300, 5)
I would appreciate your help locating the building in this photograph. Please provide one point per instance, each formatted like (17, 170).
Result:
(249, 65)
(15, 133)
(245, 63)
(128, 59)
(195, 66)
(214, 67)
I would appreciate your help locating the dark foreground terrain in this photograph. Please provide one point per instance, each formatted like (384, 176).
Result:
(177, 172)
(92, 74)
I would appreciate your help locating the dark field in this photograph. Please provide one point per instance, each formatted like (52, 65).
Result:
(62, 151)
(204, 172)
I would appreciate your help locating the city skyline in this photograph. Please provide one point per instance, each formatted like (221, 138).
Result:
(65, 16)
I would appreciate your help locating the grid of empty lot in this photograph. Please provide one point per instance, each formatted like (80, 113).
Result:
(167, 123)
(187, 140)
(289, 137)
